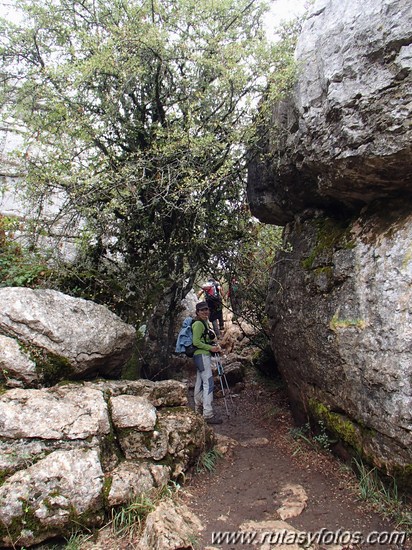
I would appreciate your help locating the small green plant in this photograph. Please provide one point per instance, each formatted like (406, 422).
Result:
(207, 460)
(75, 541)
(193, 541)
(322, 438)
(19, 265)
(384, 496)
(128, 521)
(301, 433)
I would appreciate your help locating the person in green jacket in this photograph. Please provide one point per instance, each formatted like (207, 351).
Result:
(204, 341)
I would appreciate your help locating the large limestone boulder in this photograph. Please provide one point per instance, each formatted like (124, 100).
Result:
(340, 313)
(166, 393)
(64, 337)
(343, 138)
(336, 172)
(71, 452)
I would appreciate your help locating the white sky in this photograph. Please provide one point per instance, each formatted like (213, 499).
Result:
(287, 9)
(283, 10)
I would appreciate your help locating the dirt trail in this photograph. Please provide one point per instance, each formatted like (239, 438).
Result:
(265, 467)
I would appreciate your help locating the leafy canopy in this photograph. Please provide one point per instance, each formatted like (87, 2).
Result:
(139, 114)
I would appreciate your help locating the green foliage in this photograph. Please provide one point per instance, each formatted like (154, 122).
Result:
(19, 265)
(140, 116)
(127, 521)
(207, 460)
(318, 438)
(322, 437)
(283, 77)
(384, 495)
(104, 283)
(75, 541)
(301, 432)
(250, 262)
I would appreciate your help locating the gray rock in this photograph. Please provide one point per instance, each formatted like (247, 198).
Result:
(343, 138)
(129, 411)
(345, 347)
(66, 412)
(71, 452)
(129, 480)
(175, 434)
(232, 372)
(18, 454)
(66, 337)
(188, 305)
(335, 171)
(16, 367)
(165, 393)
(42, 500)
(170, 526)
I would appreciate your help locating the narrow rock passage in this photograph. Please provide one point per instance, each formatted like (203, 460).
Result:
(269, 482)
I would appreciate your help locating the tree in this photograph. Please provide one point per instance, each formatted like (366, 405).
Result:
(246, 271)
(140, 113)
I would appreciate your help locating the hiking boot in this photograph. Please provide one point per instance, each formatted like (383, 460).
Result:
(214, 419)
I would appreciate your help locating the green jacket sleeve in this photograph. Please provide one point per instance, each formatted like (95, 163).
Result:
(198, 329)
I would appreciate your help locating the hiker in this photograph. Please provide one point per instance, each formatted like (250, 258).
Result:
(213, 297)
(204, 340)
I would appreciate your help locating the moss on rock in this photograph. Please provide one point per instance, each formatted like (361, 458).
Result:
(330, 235)
(27, 522)
(350, 432)
(51, 367)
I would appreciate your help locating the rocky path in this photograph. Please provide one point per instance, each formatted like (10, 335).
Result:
(270, 485)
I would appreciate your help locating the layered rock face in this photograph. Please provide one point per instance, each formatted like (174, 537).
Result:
(344, 138)
(70, 453)
(336, 173)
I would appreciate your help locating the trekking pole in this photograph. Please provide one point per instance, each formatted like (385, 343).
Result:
(222, 377)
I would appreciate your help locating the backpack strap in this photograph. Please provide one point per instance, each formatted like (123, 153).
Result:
(205, 331)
